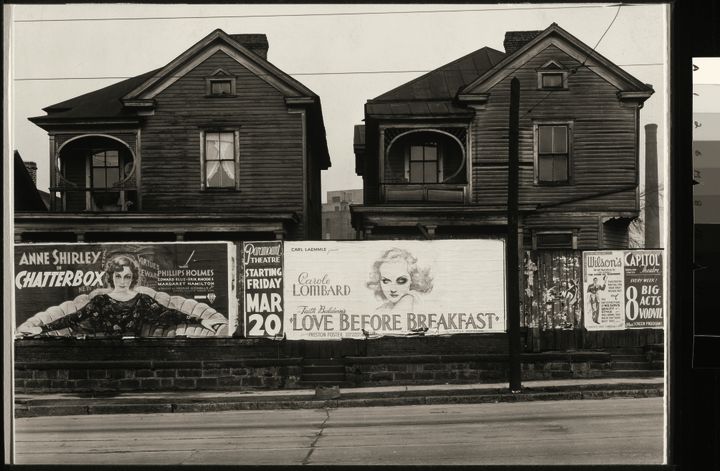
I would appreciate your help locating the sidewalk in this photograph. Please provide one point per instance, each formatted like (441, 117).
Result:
(35, 405)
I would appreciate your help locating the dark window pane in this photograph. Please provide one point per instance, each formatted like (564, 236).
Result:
(416, 153)
(560, 173)
(431, 175)
(112, 176)
(559, 140)
(545, 168)
(545, 138)
(430, 152)
(98, 178)
(416, 172)
(552, 80)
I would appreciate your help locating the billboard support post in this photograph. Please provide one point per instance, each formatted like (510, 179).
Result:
(511, 246)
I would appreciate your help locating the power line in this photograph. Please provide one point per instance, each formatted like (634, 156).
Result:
(349, 72)
(294, 15)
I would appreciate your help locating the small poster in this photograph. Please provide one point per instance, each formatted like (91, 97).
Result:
(262, 288)
(603, 288)
(623, 289)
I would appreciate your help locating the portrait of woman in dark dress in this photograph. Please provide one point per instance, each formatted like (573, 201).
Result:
(123, 311)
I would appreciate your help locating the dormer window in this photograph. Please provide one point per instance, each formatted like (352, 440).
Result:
(220, 84)
(552, 76)
(221, 87)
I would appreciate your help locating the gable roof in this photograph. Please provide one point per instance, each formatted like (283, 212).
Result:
(108, 103)
(218, 40)
(571, 45)
(433, 93)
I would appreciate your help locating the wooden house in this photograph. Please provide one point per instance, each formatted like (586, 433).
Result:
(433, 152)
(217, 144)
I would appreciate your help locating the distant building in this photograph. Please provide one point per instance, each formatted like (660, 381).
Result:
(336, 214)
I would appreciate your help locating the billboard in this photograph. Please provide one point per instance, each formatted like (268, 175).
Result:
(262, 281)
(337, 290)
(125, 289)
(623, 289)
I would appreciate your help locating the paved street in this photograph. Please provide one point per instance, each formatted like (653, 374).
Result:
(607, 431)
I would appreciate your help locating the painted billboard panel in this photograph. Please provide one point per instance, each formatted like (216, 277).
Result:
(623, 289)
(125, 289)
(337, 290)
(262, 288)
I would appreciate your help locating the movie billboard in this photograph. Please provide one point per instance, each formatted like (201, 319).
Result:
(262, 281)
(125, 289)
(336, 290)
(623, 289)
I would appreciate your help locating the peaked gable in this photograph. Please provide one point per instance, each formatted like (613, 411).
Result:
(216, 41)
(554, 35)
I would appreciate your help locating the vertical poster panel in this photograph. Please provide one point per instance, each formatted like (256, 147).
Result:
(129, 289)
(363, 289)
(263, 308)
(644, 289)
(604, 290)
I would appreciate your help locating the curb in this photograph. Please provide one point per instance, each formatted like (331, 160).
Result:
(42, 408)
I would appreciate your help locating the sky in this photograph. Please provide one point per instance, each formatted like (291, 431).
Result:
(345, 53)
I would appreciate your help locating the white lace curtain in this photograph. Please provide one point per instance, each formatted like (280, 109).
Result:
(219, 154)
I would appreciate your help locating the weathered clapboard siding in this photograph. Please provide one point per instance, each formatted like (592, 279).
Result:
(603, 145)
(270, 144)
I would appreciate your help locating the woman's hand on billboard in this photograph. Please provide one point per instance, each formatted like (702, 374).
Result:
(29, 330)
(212, 324)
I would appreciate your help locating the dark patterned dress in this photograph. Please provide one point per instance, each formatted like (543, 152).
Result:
(107, 316)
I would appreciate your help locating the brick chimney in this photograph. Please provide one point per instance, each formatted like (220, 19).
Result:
(32, 170)
(257, 43)
(652, 189)
(514, 40)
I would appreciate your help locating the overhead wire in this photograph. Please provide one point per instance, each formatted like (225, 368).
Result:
(530, 110)
(349, 72)
(294, 15)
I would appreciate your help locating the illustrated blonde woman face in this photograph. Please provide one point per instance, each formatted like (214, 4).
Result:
(394, 280)
(122, 279)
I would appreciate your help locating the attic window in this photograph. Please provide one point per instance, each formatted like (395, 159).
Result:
(220, 84)
(552, 76)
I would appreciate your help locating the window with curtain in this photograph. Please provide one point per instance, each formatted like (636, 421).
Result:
(220, 160)
(553, 153)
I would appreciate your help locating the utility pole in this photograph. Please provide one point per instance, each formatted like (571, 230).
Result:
(511, 246)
